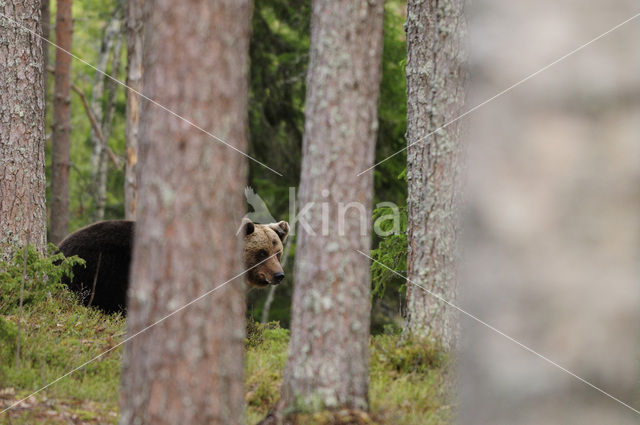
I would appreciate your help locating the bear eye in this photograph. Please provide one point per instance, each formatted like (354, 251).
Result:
(279, 255)
(263, 253)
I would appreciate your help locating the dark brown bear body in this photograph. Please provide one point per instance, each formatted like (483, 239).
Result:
(107, 247)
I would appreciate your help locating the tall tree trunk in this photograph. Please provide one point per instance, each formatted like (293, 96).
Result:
(99, 151)
(435, 86)
(61, 124)
(188, 369)
(111, 87)
(135, 34)
(45, 23)
(328, 355)
(22, 179)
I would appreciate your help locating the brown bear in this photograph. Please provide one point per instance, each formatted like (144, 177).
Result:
(107, 246)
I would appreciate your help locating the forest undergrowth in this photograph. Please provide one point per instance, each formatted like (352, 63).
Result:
(407, 378)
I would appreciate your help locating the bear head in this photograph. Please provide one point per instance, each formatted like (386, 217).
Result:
(263, 251)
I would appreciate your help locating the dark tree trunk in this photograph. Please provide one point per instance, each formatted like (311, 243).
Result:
(61, 124)
(135, 34)
(435, 85)
(188, 369)
(22, 179)
(328, 363)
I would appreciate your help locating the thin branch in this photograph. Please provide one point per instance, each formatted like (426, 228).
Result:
(95, 279)
(94, 123)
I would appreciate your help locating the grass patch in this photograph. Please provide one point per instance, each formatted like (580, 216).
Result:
(407, 378)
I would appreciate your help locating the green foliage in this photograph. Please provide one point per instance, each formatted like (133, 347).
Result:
(409, 381)
(264, 364)
(44, 276)
(279, 56)
(391, 252)
(57, 335)
(90, 18)
(406, 377)
(392, 111)
(408, 355)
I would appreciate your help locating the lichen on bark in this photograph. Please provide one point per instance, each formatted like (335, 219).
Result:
(22, 161)
(328, 356)
(435, 87)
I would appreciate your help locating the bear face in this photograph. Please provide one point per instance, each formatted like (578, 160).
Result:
(263, 251)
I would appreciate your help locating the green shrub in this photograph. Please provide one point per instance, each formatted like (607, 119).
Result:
(406, 355)
(44, 274)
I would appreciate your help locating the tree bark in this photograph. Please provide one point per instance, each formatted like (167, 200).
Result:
(135, 34)
(45, 23)
(328, 363)
(22, 178)
(435, 88)
(99, 151)
(60, 148)
(188, 369)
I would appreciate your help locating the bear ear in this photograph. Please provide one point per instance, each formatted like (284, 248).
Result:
(247, 227)
(281, 228)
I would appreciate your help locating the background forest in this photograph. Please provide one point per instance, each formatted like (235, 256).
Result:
(278, 69)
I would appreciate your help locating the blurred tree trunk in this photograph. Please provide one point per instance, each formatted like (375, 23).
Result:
(60, 147)
(328, 363)
(135, 33)
(45, 23)
(100, 144)
(22, 178)
(435, 86)
(189, 368)
(107, 125)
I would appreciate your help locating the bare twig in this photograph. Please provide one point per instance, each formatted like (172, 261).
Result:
(95, 279)
(94, 123)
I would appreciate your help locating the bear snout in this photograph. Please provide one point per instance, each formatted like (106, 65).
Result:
(277, 277)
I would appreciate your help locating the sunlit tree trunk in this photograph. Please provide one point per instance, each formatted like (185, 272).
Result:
(435, 86)
(22, 179)
(100, 144)
(135, 33)
(328, 363)
(60, 147)
(188, 369)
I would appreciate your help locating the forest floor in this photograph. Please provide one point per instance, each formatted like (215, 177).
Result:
(406, 382)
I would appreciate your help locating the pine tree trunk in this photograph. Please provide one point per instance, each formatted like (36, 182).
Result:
(61, 124)
(135, 32)
(22, 178)
(435, 85)
(99, 151)
(328, 355)
(45, 23)
(188, 369)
